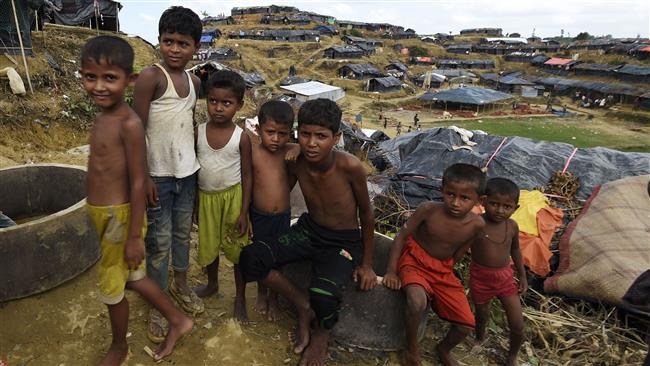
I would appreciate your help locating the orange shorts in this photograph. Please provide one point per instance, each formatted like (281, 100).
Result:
(437, 278)
(486, 283)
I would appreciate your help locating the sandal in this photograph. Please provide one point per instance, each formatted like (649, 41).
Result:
(191, 303)
(157, 328)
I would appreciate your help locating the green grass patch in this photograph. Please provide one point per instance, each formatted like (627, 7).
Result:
(578, 132)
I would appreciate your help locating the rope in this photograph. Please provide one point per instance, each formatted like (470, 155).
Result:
(495, 153)
(573, 153)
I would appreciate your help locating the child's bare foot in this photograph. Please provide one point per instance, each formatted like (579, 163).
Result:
(240, 310)
(116, 355)
(512, 361)
(477, 346)
(206, 290)
(274, 309)
(411, 358)
(445, 357)
(177, 329)
(261, 304)
(300, 337)
(316, 353)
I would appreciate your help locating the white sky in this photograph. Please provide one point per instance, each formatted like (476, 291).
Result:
(620, 18)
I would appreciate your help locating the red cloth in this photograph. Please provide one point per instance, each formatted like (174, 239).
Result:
(486, 283)
(535, 249)
(447, 294)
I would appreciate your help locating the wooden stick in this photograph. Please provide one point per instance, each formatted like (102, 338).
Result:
(22, 48)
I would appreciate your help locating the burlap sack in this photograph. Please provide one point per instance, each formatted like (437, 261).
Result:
(607, 247)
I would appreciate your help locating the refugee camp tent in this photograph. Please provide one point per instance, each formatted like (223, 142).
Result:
(558, 65)
(622, 93)
(358, 71)
(435, 79)
(313, 90)
(218, 20)
(644, 101)
(604, 70)
(102, 14)
(510, 83)
(634, 73)
(472, 97)
(343, 51)
(459, 48)
(384, 84)
(221, 53)
(327, 30)
(396, 65)
(291, 80)
(495, 32)
(9, 41)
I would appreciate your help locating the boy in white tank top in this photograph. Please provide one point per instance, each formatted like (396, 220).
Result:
(225, 184)
(164, 98)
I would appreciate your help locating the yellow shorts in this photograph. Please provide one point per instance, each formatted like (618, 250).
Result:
(112, 224)
(218, 214)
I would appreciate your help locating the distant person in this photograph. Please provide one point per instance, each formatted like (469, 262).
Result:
(6, 221)
(491, 273)
(164, 99)
(416, 120)
(419, 128)
(421, 260)
(409, 130)
(225, 184)
(359, 119)
(270, 213)
(385, 122)
(116, 184)
(334, 186)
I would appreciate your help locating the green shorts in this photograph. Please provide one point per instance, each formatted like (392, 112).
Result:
(218, 214)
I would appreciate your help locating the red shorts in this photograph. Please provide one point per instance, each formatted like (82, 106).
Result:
(486, 283)
(437, 278)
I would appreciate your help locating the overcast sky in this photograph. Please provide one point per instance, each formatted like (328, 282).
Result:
(620, 18)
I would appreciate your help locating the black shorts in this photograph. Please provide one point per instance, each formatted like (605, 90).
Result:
(268, 227)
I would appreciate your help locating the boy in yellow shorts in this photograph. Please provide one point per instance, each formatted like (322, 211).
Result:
(116, 194)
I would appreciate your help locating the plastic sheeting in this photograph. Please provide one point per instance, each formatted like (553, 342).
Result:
(420, 158)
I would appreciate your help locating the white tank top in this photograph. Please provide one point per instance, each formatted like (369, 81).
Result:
(170, 132)
(220, 168)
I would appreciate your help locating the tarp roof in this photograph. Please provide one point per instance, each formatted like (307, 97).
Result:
(310, 88)
(206, 38)
(345, 49)
(451, 73)
(599, 86)
(363, 68)
(558, 61)
(596, 67)
(512, 79)
(398, 65)
(634, 70)
(388, 81)
(467, 95)
(645, 49)
(507, 39)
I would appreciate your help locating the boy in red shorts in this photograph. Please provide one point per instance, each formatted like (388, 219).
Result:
(491, 274)
(422, 258)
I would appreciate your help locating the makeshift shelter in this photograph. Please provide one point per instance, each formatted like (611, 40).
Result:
(558, 65)
(291, 80)
(644, 101)
(504, 40)
(634, 73)
(435, 80)
(343, 51)
(206, 41)
(603, 70)
(358, 71)
(384, 84)
(422, 60)
(539, 60)
(396, 65)
(97, 14)
(494, 32)
(367, 49)
(360, 40)
(622, 93)
(327, 30)
(221, 53)
(643, 53)
(459, 48)
(9, 33)
(466, 98)
(225, 20)
(313, 90)
(299, 19)
(526, 57)
(510, 83)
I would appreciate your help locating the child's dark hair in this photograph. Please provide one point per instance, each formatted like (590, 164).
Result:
(320, 112)
(465, 173)
(504, 187)
(279, 111)
(111, 50)
(226, 79)
(178, 19)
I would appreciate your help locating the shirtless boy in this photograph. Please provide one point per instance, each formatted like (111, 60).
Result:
(491, 274)
(334, 186)
(422, 259)
(270, 213)
(116, 194)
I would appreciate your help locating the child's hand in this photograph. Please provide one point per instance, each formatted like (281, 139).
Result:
(195, 217)
(152, 193)
(391, 280)
(292, 153)
(134, 252)
(242, 224)
(365, 277)
(523, 285)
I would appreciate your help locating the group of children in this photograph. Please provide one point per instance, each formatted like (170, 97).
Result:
(146, 163)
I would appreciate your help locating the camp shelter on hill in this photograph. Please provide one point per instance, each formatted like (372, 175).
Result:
(299, 19)
(225, 20)
(102, 14)
(385, 84)
(435, 79)
(465, 64)
(510, 83)
(220, 53)
(319, 18)
(504, 40)
(9, 42)
(292, 79)
(358, 71)
(526, 57)
(644, 101)
(604, 70)
(326, 30)
(206, 41)
(407, 34)
(494, 32)
(272, 9)
(343, 51)
(466, 98)
(622, 93)
(643, 53)
(634, 73)
(397, 66)
(558, 65)
(274, 19)
(539, 60)
(459, 48)
(313, 90)
(422, 60)
(360, 40)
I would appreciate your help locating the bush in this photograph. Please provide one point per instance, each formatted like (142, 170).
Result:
(417, 51)
(355, 33)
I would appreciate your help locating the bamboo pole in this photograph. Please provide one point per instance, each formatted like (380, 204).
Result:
(22, 48)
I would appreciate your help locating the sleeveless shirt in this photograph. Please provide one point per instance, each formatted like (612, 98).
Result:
(220, 168)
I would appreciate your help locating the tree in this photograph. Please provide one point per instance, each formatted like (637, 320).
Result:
(582, 36)
(204, 13)
(356, 33)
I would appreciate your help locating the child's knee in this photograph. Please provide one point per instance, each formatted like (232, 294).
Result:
(462, 329)
(517, 329)
(416, 301)
(325, 298)
(253, 265)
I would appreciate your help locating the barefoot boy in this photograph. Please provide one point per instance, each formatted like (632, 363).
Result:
(116, 194)
(270, 213)
(490, 272)
(334, 186)
(422, 258)
(164, 98)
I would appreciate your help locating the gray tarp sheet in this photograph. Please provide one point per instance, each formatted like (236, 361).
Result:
(468, 95)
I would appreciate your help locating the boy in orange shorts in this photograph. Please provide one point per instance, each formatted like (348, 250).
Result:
(422, 258)
(490, 272)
